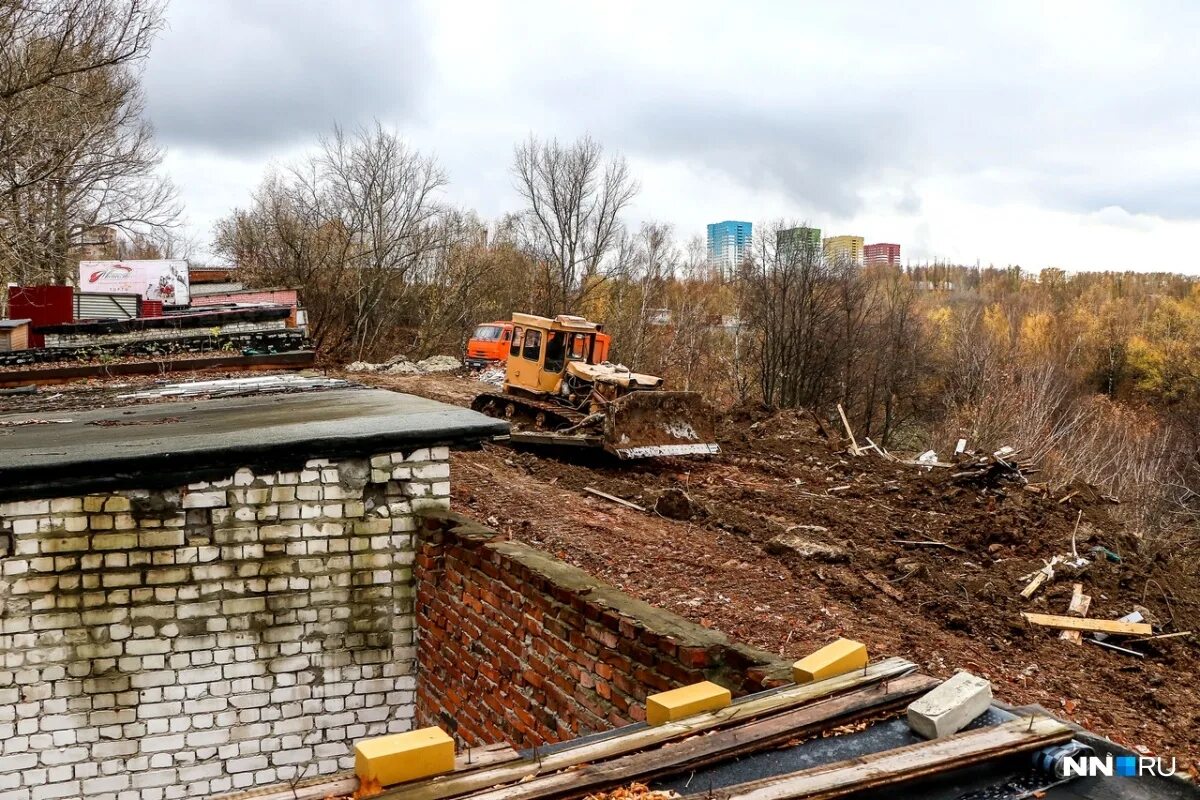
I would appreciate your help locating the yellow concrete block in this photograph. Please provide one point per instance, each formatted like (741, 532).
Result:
(404, 757)
(685, 701)
(844, 655)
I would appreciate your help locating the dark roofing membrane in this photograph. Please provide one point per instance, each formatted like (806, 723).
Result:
(168, 444)
(1008, 778)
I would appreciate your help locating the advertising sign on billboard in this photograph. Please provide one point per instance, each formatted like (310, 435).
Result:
(164, 281)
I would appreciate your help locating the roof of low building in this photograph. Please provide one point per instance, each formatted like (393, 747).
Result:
(13, 323)
(167, 444)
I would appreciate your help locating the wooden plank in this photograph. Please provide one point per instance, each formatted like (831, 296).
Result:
(1041, 577)
(1080, 603)
(346, 783)
(1093, 625)
(850, 433)
(698, 751)
(904, 764)
(613, 499)
(1163, 636)
(773, 703)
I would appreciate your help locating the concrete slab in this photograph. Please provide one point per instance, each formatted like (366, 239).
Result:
(951, 706)
(166, 444)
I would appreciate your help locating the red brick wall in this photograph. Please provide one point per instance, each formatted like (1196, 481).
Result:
(515, 646)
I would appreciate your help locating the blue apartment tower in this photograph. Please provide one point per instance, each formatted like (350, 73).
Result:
(728, 244)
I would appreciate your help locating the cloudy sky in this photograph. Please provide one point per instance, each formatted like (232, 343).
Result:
(1036, 134)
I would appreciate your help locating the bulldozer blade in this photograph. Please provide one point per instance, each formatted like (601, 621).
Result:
(652, 424)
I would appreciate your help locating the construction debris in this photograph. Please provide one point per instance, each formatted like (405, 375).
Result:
(1116, 648)
(849, 433)
(1080, 603)
(1091, 625)
(238, 387)
(614, 499)
(402, 365)
(796, 543)
(492, 377)
(1040, 577)
(950, 707)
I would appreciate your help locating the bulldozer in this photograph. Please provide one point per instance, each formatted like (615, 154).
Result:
(560, 390)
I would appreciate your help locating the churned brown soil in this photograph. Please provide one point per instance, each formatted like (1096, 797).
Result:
(945, 608)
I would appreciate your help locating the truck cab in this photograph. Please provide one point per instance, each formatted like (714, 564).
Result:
(488, 345)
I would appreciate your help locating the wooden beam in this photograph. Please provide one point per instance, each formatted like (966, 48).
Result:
(698, 751)
(641, 739)
(1163, 636)
(1092, 625)
(346, 783)
(614, 499)
(850, 433)
(904, 764)
(1080, 603)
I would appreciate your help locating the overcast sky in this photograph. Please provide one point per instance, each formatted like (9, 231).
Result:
(1037, 134)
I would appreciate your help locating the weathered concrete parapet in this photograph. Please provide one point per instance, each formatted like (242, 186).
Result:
(515, 645)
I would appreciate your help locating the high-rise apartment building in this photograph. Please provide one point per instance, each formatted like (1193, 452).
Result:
(849, 248)
(728, 244)
(796, 241)
(882, 253)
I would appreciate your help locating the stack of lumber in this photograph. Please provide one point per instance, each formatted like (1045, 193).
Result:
(757, 723)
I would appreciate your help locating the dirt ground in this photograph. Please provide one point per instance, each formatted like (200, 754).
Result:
(861, 564)
(945, 608)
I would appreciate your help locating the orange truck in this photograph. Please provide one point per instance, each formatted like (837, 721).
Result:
(489, 345)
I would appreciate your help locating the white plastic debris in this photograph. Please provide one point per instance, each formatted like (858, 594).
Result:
(928, 457)
(493, 376)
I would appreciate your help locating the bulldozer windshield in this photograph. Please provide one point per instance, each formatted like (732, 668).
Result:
(581, 347)
(556, 351)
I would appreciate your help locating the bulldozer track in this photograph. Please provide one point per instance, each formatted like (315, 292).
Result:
(526, 411)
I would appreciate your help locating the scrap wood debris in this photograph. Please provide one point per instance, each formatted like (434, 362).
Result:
(18, 423)
(634, 791)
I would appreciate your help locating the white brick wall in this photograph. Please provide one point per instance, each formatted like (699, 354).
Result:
(178, 643)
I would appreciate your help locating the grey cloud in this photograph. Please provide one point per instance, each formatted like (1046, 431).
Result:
(240, 78)
(821, 161)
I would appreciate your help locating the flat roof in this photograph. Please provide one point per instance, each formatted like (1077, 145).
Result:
(13, 323)
(167, 444)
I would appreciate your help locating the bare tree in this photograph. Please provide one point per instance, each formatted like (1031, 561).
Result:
(75, 151)
(47, 42)
(571, 222)
(356, 226)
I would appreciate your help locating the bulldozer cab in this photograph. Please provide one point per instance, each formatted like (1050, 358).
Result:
(542, 347)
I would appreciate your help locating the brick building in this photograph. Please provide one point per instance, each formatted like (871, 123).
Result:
(210, 597)
(882, 253)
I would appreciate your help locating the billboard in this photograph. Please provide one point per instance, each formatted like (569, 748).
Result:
(164, 281)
